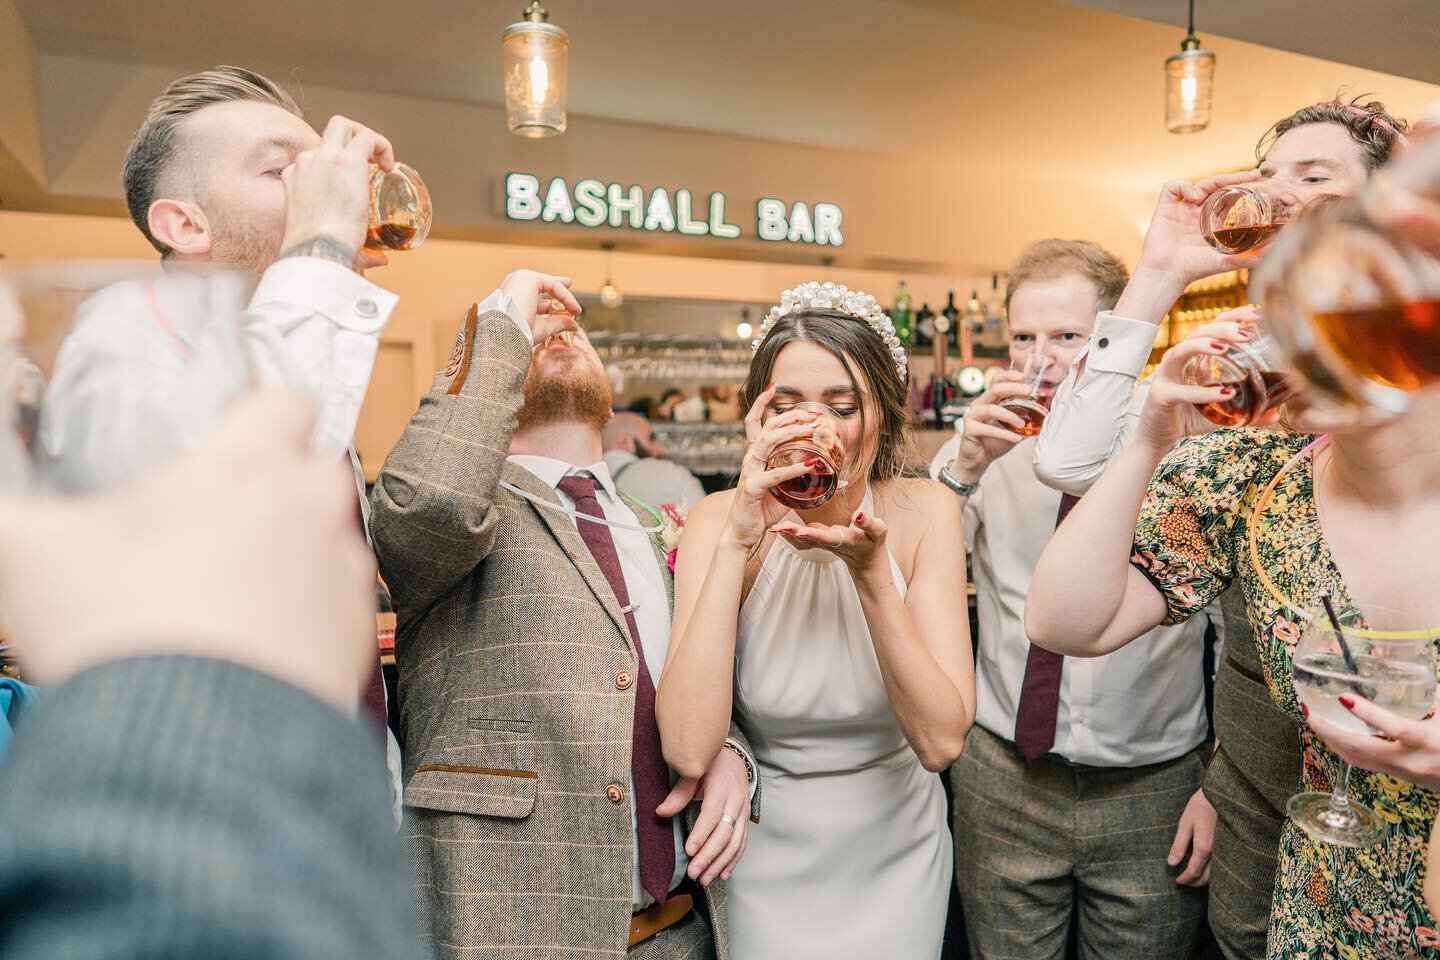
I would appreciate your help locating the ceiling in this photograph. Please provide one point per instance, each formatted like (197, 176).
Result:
(1030, 84)
(1391, 36)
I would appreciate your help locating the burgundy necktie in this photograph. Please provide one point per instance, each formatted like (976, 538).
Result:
(1040, 693)
(651, 778)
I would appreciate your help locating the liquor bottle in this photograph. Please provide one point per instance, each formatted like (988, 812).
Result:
(993, 335)
(952, 313)
(973, 321)
(901, 314)
(924, 327)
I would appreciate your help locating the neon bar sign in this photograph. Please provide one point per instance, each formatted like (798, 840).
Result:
(591, 203)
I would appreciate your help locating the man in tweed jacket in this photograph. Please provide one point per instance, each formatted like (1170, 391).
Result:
(520, 683)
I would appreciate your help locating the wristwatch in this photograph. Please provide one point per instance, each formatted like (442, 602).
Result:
(959, 486)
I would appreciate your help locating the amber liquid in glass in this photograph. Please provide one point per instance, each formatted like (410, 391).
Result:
(1240, 239)
(1032, 412)
(390, 236)
(1397, 344)
(809, 490)
(1253, 398)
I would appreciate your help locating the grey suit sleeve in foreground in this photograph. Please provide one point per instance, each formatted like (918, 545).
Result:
(176, 807)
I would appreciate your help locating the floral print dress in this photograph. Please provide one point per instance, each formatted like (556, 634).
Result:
(1192, 542)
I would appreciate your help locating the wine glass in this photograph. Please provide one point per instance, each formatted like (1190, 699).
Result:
(1033, 407)
(1258, 387)
(1355, 307)
(400, 209)
(824, 446)
(1392, 668)
(1239, 218)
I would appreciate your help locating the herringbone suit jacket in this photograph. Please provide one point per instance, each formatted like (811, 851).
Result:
(509, 643)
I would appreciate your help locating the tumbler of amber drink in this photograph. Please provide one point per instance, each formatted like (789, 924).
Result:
(824, 446)
(400, 211)
(1257, 390)
(1033, 407)
(1355, 308)
(1239, 218)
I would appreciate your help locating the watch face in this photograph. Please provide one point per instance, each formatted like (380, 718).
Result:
(971, 379)
(942, 324)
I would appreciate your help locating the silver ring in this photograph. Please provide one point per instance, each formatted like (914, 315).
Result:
(726, 818)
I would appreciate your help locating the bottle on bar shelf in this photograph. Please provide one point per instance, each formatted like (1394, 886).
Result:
(952, 314)
(901, 314)
(924, 327)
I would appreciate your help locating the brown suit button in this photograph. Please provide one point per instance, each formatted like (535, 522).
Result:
(614, 794)
(623, 680)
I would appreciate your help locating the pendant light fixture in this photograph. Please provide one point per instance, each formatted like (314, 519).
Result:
(1189, 84)
(535, 52)
(610, 295)
(743, 329)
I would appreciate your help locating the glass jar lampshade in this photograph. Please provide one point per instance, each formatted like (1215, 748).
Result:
(535, 52)
(1189, 85)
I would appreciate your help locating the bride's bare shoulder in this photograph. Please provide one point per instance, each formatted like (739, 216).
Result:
(918, 497)
(710, 511)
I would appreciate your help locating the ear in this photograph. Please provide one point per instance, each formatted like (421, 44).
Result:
(181, 226)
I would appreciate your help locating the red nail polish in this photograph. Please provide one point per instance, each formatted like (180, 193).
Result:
(1227, 391)
(859, 518)
(768, 386)
(1347, 701)
(812, 461)
(1304, 711)
(1217, 345)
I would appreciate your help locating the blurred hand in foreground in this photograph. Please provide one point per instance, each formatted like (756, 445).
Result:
(246, 548)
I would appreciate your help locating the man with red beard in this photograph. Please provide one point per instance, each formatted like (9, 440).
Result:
(534, 607)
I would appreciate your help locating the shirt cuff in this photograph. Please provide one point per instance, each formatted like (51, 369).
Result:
(750, 773)
(502, 302)
(339, 294)
(1120, 345)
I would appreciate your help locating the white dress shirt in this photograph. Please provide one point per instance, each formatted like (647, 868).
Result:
(1094, 413)
(654, 480)
(1142, 704)
(646, 586)
(142, 372)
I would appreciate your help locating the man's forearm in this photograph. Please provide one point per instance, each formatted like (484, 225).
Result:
(1149, 295)
(1081, 580)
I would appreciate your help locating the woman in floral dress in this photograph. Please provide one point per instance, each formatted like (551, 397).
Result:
(1364, 499)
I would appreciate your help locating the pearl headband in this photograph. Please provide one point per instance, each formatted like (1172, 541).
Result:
(832, 296)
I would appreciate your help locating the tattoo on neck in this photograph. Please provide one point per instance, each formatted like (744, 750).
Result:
(323, 246)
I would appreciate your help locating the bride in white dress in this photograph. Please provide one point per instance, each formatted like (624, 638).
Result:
(838, 640)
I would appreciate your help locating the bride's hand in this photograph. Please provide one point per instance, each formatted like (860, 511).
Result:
(861, 544)
(753, 509)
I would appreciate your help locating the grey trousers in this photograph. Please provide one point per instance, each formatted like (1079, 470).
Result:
(690, 939)
(1041, 845)
(1253, 773)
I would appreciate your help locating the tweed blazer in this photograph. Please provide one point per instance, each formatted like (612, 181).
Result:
(510, 647)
